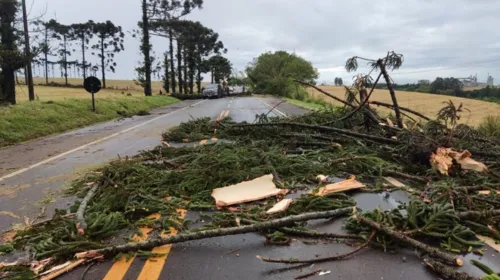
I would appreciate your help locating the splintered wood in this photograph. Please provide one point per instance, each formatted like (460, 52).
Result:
(349, 184)
(443, 158)
(256, 189)
(280, 206)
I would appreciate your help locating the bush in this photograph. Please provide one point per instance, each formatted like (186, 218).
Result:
(272, 73)
(490, 126)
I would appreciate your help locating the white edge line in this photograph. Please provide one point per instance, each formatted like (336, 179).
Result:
(270, 107)
(22, 170)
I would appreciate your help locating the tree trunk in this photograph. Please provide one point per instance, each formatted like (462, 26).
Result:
(192, 71)
(198, 79)
(166, 81)
(186, 91)
(150, 244)
(84, 63)
(8, 82)
(179, 66)
(65, 61)
(172, 67)
(27, 53)
(392, 92)
(146, 48)
(46, 53)
(212, 74)
(103, 67)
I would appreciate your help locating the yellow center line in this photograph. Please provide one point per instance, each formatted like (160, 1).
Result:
(154, 265)
(121, 266)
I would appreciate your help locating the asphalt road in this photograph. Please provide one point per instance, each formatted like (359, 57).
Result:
(33, 174)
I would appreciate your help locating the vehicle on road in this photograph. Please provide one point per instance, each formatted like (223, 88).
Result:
(213, 91)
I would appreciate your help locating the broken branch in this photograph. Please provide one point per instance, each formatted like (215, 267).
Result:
(150, 244)
(81, 225)
(378, 103)
(318, 260)
(412, 242)
(324, 92)
(325, 128)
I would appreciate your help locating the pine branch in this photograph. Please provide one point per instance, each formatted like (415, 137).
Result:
(318, 260)
(312, 234)
(378, 103)
(447, 272)
(325, 128)
(324, 92)
(81, 225)
(478, 215)
(434, 252)
(150, 244)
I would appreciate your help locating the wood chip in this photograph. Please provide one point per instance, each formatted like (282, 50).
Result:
(280, 206)
(394, 182)
(442, 160)
(486, 192)
(256, 189)
(349, 184)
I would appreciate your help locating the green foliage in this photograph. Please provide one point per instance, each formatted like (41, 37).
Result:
(220, 67)
(17, 273)
(452, 85)
(110, 43)
(32, 120)
(490, 126)
(272, 73)
(6, 248)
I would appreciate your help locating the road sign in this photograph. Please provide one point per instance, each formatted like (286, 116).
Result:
(93, 86)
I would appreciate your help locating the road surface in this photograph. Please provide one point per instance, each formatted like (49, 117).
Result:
(32, 176)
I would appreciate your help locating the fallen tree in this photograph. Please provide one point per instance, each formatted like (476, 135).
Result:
(445, 212)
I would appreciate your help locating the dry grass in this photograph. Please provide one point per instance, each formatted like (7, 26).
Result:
(428, 104)
(44, 93)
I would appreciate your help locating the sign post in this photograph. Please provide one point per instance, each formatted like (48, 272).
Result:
(93, 86)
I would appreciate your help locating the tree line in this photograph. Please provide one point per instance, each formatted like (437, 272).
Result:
(448, 86)
(193, 49)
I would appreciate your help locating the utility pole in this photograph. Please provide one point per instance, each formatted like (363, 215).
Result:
(27, 51)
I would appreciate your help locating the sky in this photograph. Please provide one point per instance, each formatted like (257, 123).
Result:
(437, 37)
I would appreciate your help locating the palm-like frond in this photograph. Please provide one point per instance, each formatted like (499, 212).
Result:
(351, 64)
(394, 60)
(450, 114)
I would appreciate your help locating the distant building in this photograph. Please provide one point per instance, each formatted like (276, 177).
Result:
(470, 81)
(489, 81)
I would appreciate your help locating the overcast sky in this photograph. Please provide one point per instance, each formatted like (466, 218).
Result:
(437, 37)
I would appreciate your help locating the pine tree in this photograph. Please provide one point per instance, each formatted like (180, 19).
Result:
(110, 42)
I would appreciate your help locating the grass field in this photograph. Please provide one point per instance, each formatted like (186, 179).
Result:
(114, 87)
(427, 104)
(31, 120)
(44, 93)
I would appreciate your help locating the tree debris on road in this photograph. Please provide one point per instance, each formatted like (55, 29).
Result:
(453, 203)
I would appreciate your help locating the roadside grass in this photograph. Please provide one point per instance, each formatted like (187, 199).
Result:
(31, 120)
(427, 104)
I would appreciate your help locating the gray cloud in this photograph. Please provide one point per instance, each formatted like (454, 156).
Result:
(437, 37)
